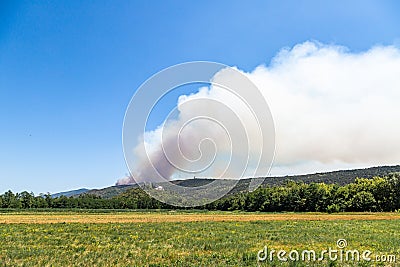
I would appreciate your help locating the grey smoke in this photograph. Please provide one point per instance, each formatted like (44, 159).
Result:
(332, 108)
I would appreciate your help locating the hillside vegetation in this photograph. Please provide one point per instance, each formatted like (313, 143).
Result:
(376, 194)
(342, 177)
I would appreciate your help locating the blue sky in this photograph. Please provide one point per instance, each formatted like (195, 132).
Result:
(68, 69)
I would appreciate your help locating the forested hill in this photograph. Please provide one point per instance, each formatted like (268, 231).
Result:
(324, 192)
(337, 177)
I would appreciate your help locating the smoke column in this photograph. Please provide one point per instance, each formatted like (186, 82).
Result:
(332, 108)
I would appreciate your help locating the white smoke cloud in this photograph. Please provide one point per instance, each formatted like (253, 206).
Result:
(332, 109)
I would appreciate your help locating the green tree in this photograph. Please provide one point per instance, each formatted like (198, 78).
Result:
(10, 200)
(27, 200)
(363, 201)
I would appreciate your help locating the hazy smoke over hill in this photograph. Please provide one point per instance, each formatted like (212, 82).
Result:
(332, 109)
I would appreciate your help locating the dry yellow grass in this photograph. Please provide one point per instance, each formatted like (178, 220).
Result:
(135, 217)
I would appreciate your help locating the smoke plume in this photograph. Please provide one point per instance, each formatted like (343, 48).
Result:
(332, 109)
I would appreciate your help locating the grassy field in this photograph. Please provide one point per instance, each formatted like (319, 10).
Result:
(187, 238)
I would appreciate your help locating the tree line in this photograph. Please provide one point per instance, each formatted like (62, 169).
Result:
(377, 194)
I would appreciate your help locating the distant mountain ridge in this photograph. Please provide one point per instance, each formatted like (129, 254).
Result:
(71, 193)
(111, 191)
(341, 177)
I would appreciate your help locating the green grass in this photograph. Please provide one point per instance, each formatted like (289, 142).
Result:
(185, 244)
